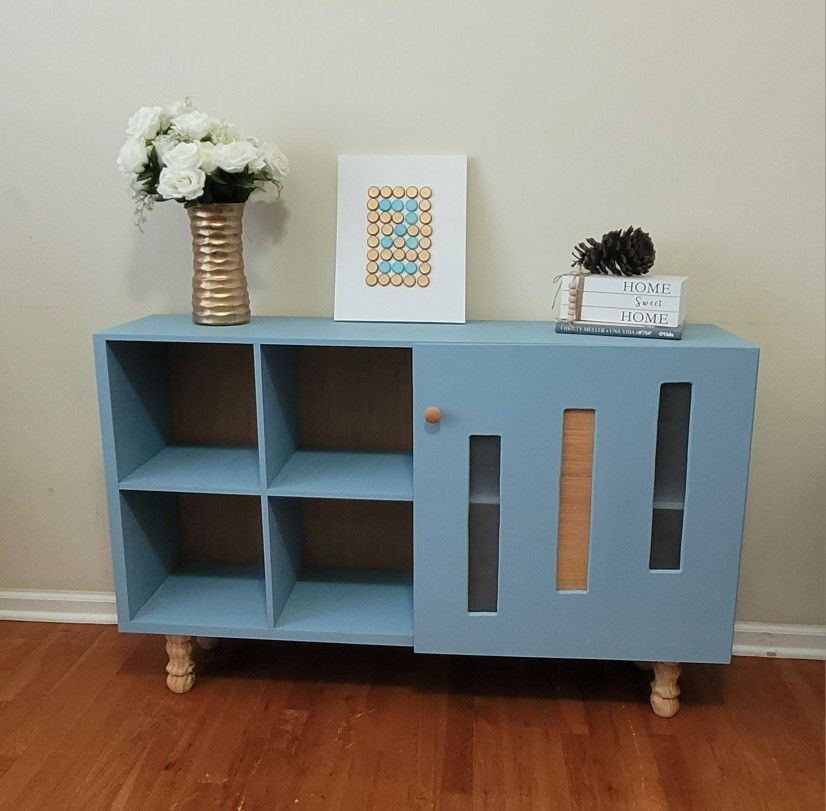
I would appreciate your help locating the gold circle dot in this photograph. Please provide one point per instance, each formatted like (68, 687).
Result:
(411, 255)
(385, 191)
(386, 254)
(411, 191)
(385, 216)
(413, 230)
(372, 204)
(395, 280)
(373, 191)
(426, 230)
(372, 229)
(425, 218)
(423, 281)
(371, 280)
(373, 242)
(398, 217)
(425, 192)
(409, 280)
(372, 255)
(424, 205)
(399, 242)
(373, 216)
(398, 191)
(387, 229)
(424, 267)
(424, 242)
(424, 256)
(398, 254)
(384, 279)
(372, 267)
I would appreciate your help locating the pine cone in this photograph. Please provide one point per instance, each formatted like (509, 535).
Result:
(622, 253)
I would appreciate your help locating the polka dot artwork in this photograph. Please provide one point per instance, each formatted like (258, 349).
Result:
(403, 217)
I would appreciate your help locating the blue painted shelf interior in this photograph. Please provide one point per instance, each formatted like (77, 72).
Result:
(342, 569)
(193, 560)
(268, 496)
(184, 417)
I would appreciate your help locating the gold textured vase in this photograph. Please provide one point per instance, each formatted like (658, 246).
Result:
(219, 286)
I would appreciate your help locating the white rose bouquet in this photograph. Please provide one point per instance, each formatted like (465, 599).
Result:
(180, 153)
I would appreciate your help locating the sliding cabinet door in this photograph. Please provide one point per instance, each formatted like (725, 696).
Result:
(579, 502)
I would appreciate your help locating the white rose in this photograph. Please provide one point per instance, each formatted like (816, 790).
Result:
(207, 149)
(145, 123)
(132, 157)
(223, 132)
(265, 193)
(192, 126)
(235, 157)
(162, 144)
(172, 111)
(276, 161)
(175, 185)
(183, 156)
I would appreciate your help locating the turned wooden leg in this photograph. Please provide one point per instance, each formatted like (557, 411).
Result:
(206, 642)
(181, 668)
(664, 689)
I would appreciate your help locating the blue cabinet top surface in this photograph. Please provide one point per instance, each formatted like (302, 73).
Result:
(325, 331)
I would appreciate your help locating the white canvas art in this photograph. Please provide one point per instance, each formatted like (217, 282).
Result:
(400, 243)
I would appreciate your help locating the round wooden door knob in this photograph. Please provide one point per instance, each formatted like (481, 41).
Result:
(433, 415)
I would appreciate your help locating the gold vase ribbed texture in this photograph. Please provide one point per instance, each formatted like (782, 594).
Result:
(219, 286)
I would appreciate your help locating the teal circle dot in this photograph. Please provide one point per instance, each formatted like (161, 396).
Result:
(397, 205)
(384, 205)
(398, 267)
(387, 242)
(411, 205)
(400, 230)
(384, 266)
(412, 242)
(410, 217)
(410, 267)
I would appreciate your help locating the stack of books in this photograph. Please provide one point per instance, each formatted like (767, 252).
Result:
(626, 306)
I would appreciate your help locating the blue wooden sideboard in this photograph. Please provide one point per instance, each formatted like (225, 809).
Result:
(490, 488)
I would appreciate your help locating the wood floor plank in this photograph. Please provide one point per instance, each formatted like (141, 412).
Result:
(86, 722)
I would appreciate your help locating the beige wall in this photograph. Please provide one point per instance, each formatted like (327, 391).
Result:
(702, 122)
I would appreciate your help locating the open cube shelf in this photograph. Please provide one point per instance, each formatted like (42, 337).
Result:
(184, 416)
(342, 570)
(193, 561)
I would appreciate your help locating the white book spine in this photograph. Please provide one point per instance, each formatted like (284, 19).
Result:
(628, 301)
(646, 285)
(636, 318)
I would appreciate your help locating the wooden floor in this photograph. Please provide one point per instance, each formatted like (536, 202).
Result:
(86, 722)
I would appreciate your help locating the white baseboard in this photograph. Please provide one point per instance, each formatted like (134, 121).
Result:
(780, 641)
(58, 606)
(750, 638)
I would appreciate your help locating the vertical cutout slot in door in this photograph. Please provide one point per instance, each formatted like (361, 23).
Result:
(485, 462)
(670, 467)
(575, 485)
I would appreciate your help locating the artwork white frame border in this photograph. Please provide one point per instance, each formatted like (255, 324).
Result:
(443, 300)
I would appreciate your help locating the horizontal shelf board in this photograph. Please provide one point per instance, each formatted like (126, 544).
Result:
(204, 597)
(197, 469)
(349, 605)
(279, 330)
(373, 475)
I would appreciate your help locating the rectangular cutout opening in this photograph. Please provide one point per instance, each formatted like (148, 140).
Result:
(670, 467)
(575, 486)
(483, 523)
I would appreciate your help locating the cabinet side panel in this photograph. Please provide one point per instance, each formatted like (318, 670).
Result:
(139, 394)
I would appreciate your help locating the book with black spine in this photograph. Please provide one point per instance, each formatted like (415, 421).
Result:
(619, 330)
